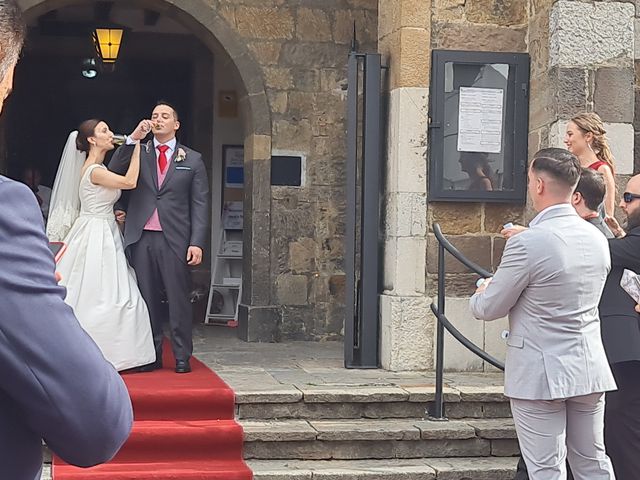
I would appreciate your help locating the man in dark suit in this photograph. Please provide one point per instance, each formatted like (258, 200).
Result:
(166, 226)
(621, 336)
(54, 382)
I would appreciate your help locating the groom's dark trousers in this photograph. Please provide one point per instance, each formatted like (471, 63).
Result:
(155, 262)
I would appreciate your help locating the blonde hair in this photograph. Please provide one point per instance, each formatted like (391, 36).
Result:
(590, 122)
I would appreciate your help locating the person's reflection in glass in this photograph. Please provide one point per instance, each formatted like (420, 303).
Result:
(476, 165)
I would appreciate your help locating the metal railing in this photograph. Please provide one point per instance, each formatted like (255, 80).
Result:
(444, 323)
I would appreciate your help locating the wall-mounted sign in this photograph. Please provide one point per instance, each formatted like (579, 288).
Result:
(478, 131)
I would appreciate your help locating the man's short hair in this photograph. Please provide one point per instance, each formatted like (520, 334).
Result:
(560, 164)
(167, 104)
(12, 31)
(592, 188)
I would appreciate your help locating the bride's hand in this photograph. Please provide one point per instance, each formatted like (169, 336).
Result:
(141, 131)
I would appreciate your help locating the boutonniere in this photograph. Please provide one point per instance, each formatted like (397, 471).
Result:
(180, 156)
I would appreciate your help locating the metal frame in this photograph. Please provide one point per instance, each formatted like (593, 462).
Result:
(362, 259)
(437, 412)
(517, 105)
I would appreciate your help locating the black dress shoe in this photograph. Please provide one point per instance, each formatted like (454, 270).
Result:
(182, 366)
(150, 367)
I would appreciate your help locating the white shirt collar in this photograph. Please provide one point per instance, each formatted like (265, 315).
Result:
(171, 144)
(538, 218)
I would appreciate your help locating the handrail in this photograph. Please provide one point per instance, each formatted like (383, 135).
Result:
(458, 255)
(443, 322)
(458, 335)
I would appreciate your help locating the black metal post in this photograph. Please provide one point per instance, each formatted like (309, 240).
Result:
(438, 408)
(362, 259)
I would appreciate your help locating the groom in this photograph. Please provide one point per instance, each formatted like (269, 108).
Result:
(166, 226)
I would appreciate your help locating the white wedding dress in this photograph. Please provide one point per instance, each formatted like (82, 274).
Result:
(101, 286)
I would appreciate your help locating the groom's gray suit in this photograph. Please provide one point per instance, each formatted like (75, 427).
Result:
(160, 258)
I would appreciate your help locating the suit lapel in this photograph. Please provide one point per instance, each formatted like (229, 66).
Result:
(150, 160)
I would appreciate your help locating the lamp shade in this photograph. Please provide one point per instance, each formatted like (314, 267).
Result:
(108, 42)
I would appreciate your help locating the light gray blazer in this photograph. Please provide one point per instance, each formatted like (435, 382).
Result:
(549, 282)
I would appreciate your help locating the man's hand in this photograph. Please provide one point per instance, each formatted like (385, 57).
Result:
(58, 277)
(511, 231)
(141, 131)
(615, 227)
(194, 256)
(638, 308)
(121, 216)
(483, 286)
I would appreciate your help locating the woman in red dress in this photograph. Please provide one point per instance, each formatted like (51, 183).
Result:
(586, 139)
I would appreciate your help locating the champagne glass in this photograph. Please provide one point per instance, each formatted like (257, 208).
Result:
(119, 139)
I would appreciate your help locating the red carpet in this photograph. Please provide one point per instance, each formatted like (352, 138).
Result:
(184, 429)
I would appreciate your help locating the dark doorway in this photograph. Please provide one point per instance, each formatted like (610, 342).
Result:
(51, 95)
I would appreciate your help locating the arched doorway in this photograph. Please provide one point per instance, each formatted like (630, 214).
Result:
(230, 55)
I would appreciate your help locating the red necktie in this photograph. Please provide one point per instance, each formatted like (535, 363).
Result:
(162, 157)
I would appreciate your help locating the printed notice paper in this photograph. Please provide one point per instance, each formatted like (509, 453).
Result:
(480, 120)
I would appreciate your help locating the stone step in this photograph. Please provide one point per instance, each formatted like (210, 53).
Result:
(352, 402)
(374, 438)
(494, 468)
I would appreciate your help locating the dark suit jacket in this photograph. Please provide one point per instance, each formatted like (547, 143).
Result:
(619, 321)
(54, 382)
(182, 200)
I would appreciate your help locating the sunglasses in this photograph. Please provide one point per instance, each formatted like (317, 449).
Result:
(629, 197)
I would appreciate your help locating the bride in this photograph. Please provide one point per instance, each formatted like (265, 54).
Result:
(101, 286)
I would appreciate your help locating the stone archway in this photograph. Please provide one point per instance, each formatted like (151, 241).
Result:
(206, 23)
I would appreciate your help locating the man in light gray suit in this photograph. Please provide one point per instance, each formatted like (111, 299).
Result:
(549, 282)
(54, 382)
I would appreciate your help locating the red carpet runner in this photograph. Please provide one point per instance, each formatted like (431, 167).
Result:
(184, 429)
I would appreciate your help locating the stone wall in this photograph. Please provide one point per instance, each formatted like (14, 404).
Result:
(582, 55)
(302, 48)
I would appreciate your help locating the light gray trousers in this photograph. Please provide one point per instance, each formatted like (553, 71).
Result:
(550, 431)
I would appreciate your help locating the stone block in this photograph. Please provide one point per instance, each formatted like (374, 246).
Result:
(539, 43)
(482, 394)
(457, 218)
(278, 431)
(313, 25)
(258, 324)
(621, 139)
(306, 80)
(614, 94)
(575, 42)
(302, 255)
(406, 215)
(505, 448)
(291, 289)
(310, 55)
(497, 214)
(265, 23)
(292, 135)
(366, 26)
(475, 247)
(570, 91)
(636, 150)
(474, 468)
(452, 430)
(409, 59)
(497, 410)
(505, 13)
(407, 140)
(277, 101)
(449, 10)
(266, 53)
(494, 429)
(406, 333)
(456, 356)
(404, 265)
(466, 36)
(278, 78)
(361, 394)
(370, 430)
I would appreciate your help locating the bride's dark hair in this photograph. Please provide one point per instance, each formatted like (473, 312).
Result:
(85, 130)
